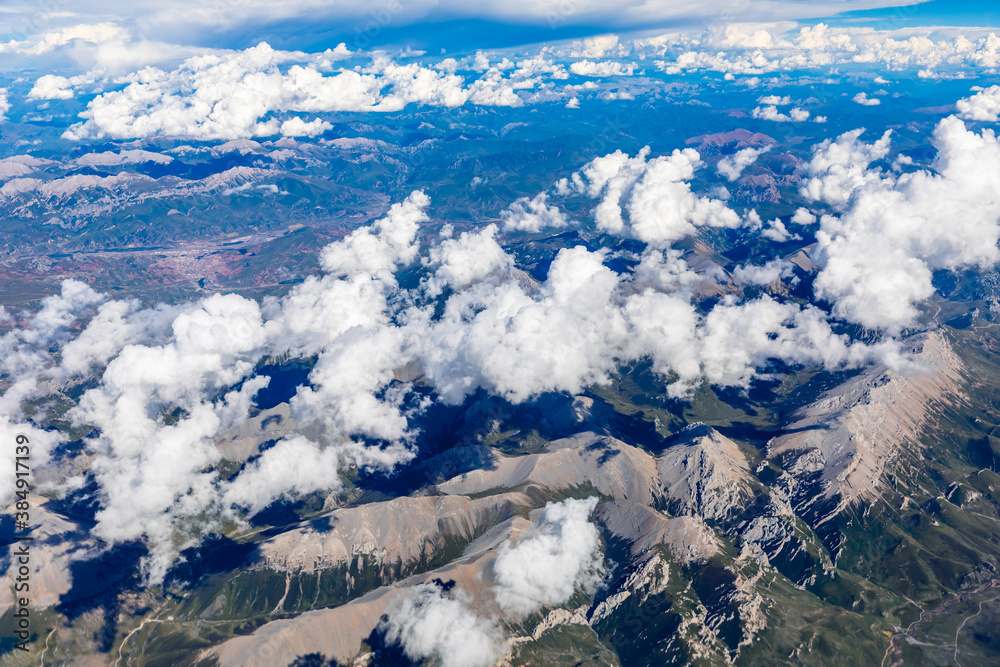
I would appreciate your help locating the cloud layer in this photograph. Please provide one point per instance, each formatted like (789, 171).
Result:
(235, 94)
(151, 89)
(171, 379)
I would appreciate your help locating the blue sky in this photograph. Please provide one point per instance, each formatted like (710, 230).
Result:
(454, 35)
(476, 25)
(461, 24)
(933, 13)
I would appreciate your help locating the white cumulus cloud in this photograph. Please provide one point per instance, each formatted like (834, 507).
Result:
(468, 259)
(984, 105)
(533, 215)
(650, 200)
(878, 255)
(794, 115)
(428, 623)
(560, 553)
(296, 127)
(604, 68)
(862, 98)
(731, 167)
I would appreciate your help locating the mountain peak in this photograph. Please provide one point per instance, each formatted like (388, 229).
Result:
(705, 473)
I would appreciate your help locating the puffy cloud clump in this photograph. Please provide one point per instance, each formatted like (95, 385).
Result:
(771, 272)
(605, 68)
(863, 99)
(665, 328)
(557, 555)
(533, 215)
(430, 624)
(176, 377)
(291, 468)
(466, 260)
(296, 127)
(520, 345)
(984, 105)
(648, 199)
(116, 325)
(358, 349)
(319, 310)
(775, 100)
(770, 112)
(749, 63)
(585, 321)
(343, 395)
(878, 255)
(730, 345)
(153, 473)
(379, 249)
(838, 168)
(30, 368)
(738, 339)
(51, 87)
(732, 166)
(666, 271)
(54, 87)
(41, 443)
(24, 351)
(596, 46)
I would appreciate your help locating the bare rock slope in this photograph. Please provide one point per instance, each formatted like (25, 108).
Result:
(856, 430)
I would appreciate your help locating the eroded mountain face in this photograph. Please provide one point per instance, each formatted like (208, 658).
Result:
(854, 432)
(828, 518)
